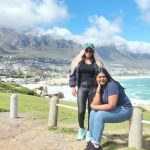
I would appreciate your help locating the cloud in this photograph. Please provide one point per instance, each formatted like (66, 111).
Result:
(101, 29)
(102, 32)
(144, 7)
(30, 13)
(139, 47)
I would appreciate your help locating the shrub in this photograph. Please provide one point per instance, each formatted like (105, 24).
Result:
(27, 91)
(13, 87)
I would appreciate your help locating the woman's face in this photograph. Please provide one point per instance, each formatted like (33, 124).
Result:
(88, 52)
(101, 78)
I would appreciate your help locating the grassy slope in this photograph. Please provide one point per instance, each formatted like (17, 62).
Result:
(13, 87)
(39, 107)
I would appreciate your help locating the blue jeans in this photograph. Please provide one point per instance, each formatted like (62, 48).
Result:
(99, 118)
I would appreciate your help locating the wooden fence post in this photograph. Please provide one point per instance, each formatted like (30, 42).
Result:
(135, 129)
(13, 106)
(53, 111)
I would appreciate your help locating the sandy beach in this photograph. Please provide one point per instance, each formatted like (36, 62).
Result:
(52, 82)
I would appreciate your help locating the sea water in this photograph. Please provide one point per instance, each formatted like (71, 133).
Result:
(137, 89)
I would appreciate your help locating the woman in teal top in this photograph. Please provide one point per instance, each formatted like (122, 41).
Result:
(110, 105)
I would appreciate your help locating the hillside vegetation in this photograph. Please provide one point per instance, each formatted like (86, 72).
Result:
(13, 87)
(14, 44)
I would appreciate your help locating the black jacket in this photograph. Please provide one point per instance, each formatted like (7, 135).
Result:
(74, 78)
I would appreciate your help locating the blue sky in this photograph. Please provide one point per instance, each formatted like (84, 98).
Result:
(125, 23)
(133, 27)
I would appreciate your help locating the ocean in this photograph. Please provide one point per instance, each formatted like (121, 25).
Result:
(137, 89)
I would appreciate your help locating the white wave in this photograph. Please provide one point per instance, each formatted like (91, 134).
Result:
(66, 90)
(139, 101)
(131, 77)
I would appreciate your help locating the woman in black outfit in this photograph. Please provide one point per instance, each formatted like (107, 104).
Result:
(82, 79)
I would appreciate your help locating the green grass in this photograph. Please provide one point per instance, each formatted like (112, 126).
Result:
(38, 108)
(26, 103)
(13, 87)
(64, 130)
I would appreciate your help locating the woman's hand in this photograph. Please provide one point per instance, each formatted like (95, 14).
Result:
(73, 91)
(97, 97)
(112, 103)
(94, 107)
(98, 87)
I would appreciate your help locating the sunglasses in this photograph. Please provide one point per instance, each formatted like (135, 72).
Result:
(89, 51)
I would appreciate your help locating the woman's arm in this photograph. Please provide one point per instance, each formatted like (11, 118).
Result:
(112, 102)
(97, 97)
(72, 80)
(73, 91)
(72, 83)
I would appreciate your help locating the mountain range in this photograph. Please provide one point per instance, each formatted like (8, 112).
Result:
(23, 44)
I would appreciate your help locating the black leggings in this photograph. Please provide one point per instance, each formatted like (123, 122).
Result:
(82, 97)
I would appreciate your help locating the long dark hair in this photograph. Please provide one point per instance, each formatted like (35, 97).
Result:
(108, 76)
(103, 70)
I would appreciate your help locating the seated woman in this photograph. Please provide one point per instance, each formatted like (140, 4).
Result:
(110, 105)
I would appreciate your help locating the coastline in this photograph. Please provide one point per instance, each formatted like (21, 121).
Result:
(132, 77)
(65, 81)
(52, 82)
(61, 85)
(67, 94)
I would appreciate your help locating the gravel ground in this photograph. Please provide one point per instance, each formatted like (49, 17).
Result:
(23, 134)
(33, 134)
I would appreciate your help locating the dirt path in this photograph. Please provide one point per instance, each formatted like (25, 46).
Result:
(33, 134)
(23, 134)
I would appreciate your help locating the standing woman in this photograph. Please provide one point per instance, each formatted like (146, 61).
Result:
(110, 105)
(82, 78)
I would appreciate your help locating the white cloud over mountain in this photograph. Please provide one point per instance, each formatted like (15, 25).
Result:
(19, 14)
(101, 32)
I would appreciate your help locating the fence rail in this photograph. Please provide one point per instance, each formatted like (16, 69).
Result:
(135, 123)
(145, 122)
(66, 106)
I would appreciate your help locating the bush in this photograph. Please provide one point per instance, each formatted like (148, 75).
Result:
(27, 91)
(13, 87)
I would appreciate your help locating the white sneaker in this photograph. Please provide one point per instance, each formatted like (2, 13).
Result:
(88, 136)
(81, 134)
